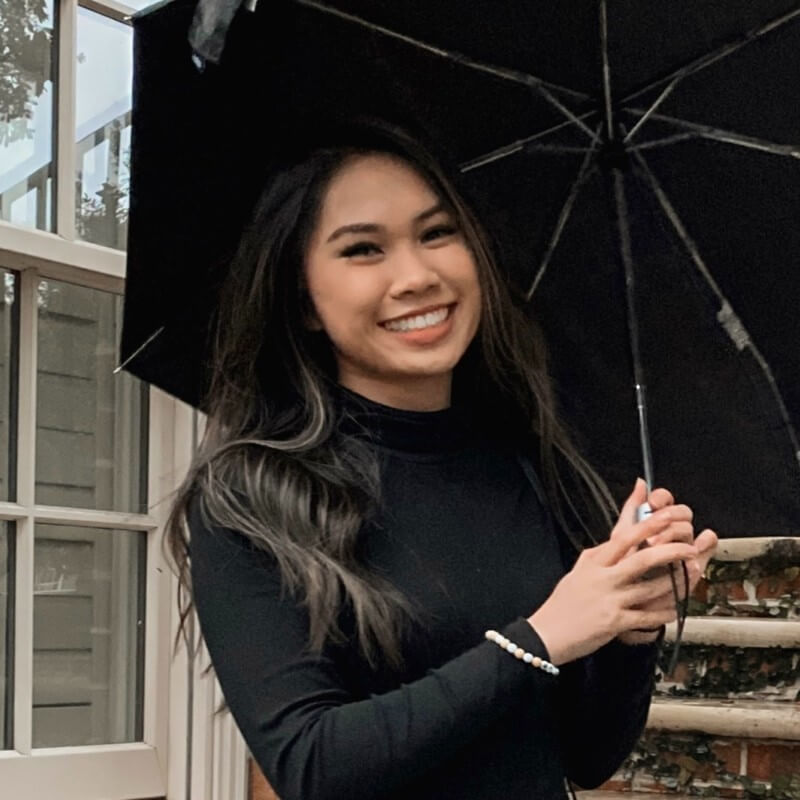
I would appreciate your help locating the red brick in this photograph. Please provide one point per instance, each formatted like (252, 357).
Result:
(772, 587)
(729, 791)
(729, 752)
(645, 783)
(700, 592)
(681, 673)
(733, 591)
(616, 785)
(259, 787)
(767, 761)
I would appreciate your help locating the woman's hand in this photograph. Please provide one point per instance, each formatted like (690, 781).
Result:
(706, 543)
(603, 594)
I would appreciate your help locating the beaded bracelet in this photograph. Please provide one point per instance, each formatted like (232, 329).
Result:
(522, 655)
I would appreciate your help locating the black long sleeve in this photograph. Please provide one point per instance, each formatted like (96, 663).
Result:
(311, 736)
(604, 701)
(463, 535)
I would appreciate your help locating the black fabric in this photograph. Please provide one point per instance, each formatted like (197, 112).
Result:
(462, 533)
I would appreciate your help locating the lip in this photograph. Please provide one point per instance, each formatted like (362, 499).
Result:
(417, 312)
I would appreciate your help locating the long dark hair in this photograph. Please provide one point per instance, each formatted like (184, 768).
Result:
(271, 465)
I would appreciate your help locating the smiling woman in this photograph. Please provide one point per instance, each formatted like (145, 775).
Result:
(397, 294)
(384, 495)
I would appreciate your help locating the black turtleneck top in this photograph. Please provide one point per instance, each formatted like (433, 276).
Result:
(463, 533)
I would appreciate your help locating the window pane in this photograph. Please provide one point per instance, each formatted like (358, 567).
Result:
(9, 327)
(26, 112)
(6, 628)
(91, 428)
(103, 119)
(88, 635)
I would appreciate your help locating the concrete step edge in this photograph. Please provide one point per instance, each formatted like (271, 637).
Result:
(743, 549)
(741, 717)
(738, 632)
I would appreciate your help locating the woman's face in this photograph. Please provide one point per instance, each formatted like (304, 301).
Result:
(392, 283)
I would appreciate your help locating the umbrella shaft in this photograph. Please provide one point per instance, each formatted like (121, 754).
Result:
(644, 435)
(626, 256)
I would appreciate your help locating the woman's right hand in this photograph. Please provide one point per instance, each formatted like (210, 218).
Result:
(596, 599)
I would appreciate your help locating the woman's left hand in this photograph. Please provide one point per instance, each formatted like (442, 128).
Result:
(706, 543)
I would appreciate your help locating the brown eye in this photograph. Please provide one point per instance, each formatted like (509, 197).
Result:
(360, 249)
(438, 232)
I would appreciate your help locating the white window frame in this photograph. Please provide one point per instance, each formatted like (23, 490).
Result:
(187, 752)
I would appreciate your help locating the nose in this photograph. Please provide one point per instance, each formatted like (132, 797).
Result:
(413, 272)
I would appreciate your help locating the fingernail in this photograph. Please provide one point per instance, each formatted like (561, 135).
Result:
(651, 540)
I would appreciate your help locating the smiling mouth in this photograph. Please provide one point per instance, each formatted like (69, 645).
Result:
(421, 321)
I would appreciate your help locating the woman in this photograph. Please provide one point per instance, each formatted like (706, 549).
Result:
(366, 505)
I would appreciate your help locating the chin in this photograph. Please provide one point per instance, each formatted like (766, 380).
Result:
(427, 369)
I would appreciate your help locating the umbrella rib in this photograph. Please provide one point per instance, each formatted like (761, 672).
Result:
(650, 111)
(606, 70)
(726, 316)
(696, 130)
(556, 148)
(518, 146)
(504, 73)
(698, 64)
(584, 173)
(139, 349)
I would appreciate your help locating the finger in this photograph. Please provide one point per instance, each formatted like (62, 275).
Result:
(616, 547)
(647, 593)
(632, 568)
(707, 541)
(663, 603)
(639, 618)
(659, 498)
(676, 532)
(659, 592)
(627, 514)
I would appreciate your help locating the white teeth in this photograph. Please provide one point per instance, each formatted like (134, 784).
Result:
(417, 323)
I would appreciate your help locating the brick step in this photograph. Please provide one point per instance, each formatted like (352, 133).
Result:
(668, 762)
(756, 577)
(726, 723)
(740, 717)
(733, 658)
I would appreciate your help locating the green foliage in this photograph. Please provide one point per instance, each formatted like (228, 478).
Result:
(781, 787)
(25, 63)
(723, 672)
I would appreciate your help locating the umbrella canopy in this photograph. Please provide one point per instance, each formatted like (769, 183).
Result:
(637, 163)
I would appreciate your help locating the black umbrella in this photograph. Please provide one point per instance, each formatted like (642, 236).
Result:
(638, 163)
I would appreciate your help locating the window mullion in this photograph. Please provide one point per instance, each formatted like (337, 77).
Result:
(109, 8)
(26, 449)
(67, 21)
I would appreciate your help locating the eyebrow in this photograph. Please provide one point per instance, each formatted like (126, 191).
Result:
(372, 227)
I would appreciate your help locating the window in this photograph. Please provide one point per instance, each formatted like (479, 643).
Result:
(26, 116)
(102, 128)
(90, 423)
(6, 629)
(93, 705)
(84, 642)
